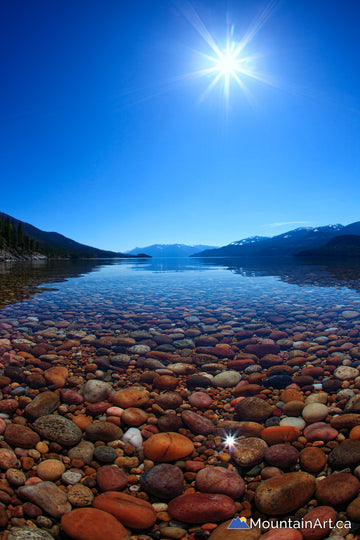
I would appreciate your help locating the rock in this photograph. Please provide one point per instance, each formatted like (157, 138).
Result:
(59, 429)
(315, 412)
(201, 508)
(84, 451)
(71, 477)
(298, 423)
(71, 397)
(283, 494)
(220, 480)
(50, 469)
(18, 435)
(197, 423)
(167, 447)
(7, 459)
(80, 495)
(353, 510)
(105, 454)
(93, 524)
(201, 400)
(56, 376)
(133, 416)
(130, 397)
(16, 478)
(222, 532)
(226, 379)
(320, 517)
(320, 431)
(28, 533)
(281, 455)
(277, 381)
(350, 314)
(8, 406)
(312, 459)
(48, 496)
(42, 405)
(169, 400)
(337, 489)
(248, 452)
(165, 382)
(346, 373)
(282, 534)
(280, 434)
(293, 408)
(111, 478)
(164, 481)
(346, 454)
(103, 431)
(198, 381)
(130, 511)
(133, 436)
(253, 409)
(95, 391)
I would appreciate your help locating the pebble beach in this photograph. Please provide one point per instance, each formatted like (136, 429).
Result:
(154, 406)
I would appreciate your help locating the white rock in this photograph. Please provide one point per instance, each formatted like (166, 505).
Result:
(345, 373)
(133, 437)
(298, 423)
(315, 412)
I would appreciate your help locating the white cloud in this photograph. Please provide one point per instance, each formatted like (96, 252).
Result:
(283, 223)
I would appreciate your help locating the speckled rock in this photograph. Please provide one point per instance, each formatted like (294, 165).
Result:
(165, 481)
(283, 494)
(80, 496)
(312, 459)
(345, 373)
(201, 508)
(48, 496)
(29, 533)
(7, 459)
(253, 409)
(220, 480)
(249, 452)
(59, 429)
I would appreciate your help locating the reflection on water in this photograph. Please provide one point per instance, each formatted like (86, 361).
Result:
(22, 280)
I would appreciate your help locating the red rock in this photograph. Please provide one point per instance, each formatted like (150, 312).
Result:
(130, 397)
(220, 480)
(111, 478)
(322, 514)
(18, 435)
(201, 507)
(280, 434)
(8, 406)
(71, 397)
(133, 416)
(253, 409)
(281, 455)
(197, 423)
(165, 382)
(282, 534)
(92, 524)
(201, 400)
(165, 481)
(130, 511)
(222, 532)
(56, 375)
(167, 447)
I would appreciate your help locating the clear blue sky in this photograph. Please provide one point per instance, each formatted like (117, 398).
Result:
(105, 141)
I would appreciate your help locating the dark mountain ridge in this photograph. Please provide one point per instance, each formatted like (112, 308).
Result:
(287, 244)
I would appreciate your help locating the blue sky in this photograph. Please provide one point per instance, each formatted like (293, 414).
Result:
(106, 138)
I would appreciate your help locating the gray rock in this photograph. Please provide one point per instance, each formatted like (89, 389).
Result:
(84, 451)
(59, 429)
(27, 533)
(226, 379)
(43, 404)
(95, 391)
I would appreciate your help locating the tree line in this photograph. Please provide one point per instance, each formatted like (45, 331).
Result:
(14, 238)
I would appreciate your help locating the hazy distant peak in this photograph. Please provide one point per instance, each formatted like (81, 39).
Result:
(170, 250)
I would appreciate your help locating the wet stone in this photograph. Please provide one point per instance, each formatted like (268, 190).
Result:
(59, 429)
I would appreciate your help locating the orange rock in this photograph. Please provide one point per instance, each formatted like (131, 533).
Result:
(291, 394)
(130, 397)
(355, 433)
(312, 459)
(133, 416)
(129, 510)
(56, 375)
(92, 524)
(282, 534)
(280, 434)
(167, 447)
(82, 421)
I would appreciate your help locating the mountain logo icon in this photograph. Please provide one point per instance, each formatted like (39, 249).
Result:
(239, 523)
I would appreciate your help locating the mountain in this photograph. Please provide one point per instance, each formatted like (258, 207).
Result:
(169, 250)
(344, 246)
(288, 243)
(53, 244)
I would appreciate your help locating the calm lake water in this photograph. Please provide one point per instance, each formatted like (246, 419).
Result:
(233, 292)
